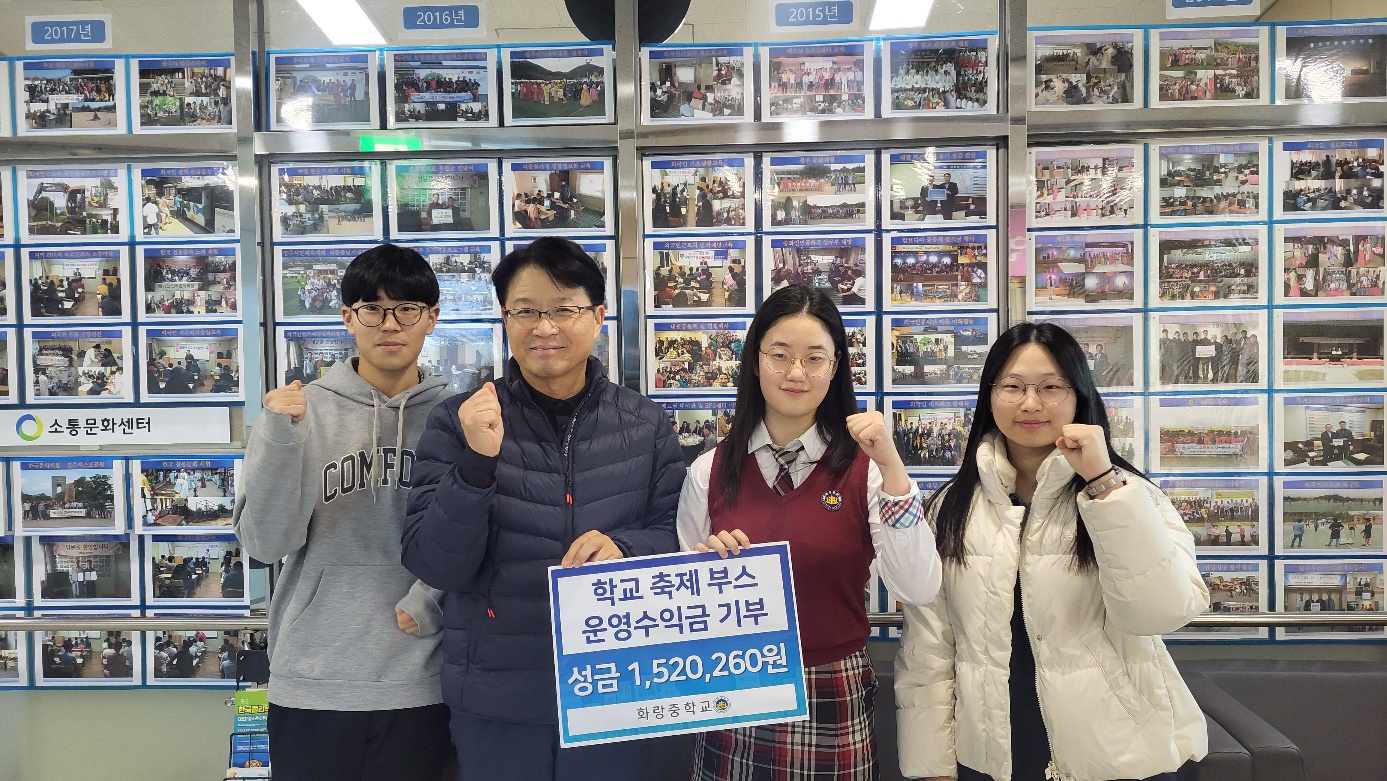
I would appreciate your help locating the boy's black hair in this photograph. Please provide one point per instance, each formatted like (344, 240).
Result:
(399, 272)
(565, 262)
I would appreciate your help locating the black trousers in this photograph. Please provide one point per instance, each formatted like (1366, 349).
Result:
(411, 744)
(969, 774)
(507, 751)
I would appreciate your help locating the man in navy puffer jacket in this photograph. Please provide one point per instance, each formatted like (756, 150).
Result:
(551, 464)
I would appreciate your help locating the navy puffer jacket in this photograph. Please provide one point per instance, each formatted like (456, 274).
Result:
(490, 548)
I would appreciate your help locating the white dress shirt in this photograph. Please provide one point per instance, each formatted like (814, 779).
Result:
(906, 559)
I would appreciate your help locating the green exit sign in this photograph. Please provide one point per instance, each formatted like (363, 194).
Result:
(391, 144)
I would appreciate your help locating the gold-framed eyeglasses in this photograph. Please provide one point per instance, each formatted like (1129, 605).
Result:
(373, 315)
(814, 364)
(1012, 390)
(558, 315)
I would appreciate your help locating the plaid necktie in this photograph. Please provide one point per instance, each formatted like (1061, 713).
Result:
(785, 456)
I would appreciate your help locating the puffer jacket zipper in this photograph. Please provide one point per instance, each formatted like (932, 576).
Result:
(568, 465)
(1052, 771)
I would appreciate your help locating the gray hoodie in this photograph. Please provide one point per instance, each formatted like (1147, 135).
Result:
(327, 495)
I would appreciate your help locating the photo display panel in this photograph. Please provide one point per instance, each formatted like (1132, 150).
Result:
(689, 85)
(442, 88)
(934, 76)
(1086, 69)
(1207, 66)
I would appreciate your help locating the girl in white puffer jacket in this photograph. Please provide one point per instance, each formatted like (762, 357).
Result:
(1041, 656)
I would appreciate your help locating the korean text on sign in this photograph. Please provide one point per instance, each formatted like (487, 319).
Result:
(679, 643)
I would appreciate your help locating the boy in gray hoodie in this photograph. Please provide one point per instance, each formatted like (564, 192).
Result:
(354, 656)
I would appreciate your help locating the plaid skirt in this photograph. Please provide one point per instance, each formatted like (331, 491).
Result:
(837, 743)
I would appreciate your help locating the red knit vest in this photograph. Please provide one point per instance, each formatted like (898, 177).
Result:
(830, 550)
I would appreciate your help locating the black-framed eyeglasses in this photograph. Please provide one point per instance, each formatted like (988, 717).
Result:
(1013, 390)
(373, 315)
(558, 315)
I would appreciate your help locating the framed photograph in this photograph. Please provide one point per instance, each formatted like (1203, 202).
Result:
(68, 495)
(6, 83)
(572, 197)
(186, 201)
(1208, 433)
(1086, 69)
(1211, 66)
(71, 96)
(309, 280)
(700, 424)
(185, 95)
(706, 275)
(1320, 348)
(323, 91)
(818, 192)
(931, 432)
(862, 352)
(14, 659)
(306, 353)
(1086, 186)
(13, 581)
(699, 194)
(1234, 587)
(188, 495)
(80, 284)
(189, 282)
(1337, 178)
(1330, 516)
(74, 205)
(78, 365)
(937, 352)
(938, 187)
(938, 270)
(605, 348)
(88, 658)
(1208, 350)
(195, 569)
(452, 88)
(9, 352)
(839, 265)
(1337, 263)
(1226, 515)
(467, 354)
(927, 75)
(700, 357)
(84, 570)
(192, 364)
(317, 202)
(7, 310)
(192, 657)
(1127, 427)
(1355, 53)
(1337, 586)
(601, 250)
(689, 85)
(1111, 344)
(464, 277)
(817, 81)
(8, 231)
(1208, 266)
(559, 86)
(1336, 432)
(1220, 182)
(1086, 270)
(456, 198)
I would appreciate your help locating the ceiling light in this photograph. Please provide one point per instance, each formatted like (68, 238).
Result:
(898, 14)
(343, 22)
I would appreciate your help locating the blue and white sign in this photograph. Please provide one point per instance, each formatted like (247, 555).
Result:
(443, 21)
(673, 644)
(816, 14)
(1197, 9)
(70, 31)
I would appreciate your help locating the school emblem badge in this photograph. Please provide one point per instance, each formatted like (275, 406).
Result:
(722, 704)
(832, 501)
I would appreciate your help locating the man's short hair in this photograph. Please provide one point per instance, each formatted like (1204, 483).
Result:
(564, 261)
(399, 273)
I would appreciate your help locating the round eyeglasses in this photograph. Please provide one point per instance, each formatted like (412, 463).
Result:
(373, 315)
(814, 364)
(1013, 390)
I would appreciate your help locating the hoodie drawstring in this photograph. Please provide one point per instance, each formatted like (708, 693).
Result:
(375, 434)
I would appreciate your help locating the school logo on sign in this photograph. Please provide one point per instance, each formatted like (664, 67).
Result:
(722, 704)
(832, 500)
(28, 427)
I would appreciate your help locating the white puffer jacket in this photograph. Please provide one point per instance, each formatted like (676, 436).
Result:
(1113, 703)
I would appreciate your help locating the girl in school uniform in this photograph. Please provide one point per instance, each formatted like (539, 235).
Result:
(801, 465)
(1041, 659)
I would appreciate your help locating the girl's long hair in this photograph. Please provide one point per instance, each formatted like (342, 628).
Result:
(833, 413)
(954, 499)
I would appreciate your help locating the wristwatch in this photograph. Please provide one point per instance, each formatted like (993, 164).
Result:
(1118, 477)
